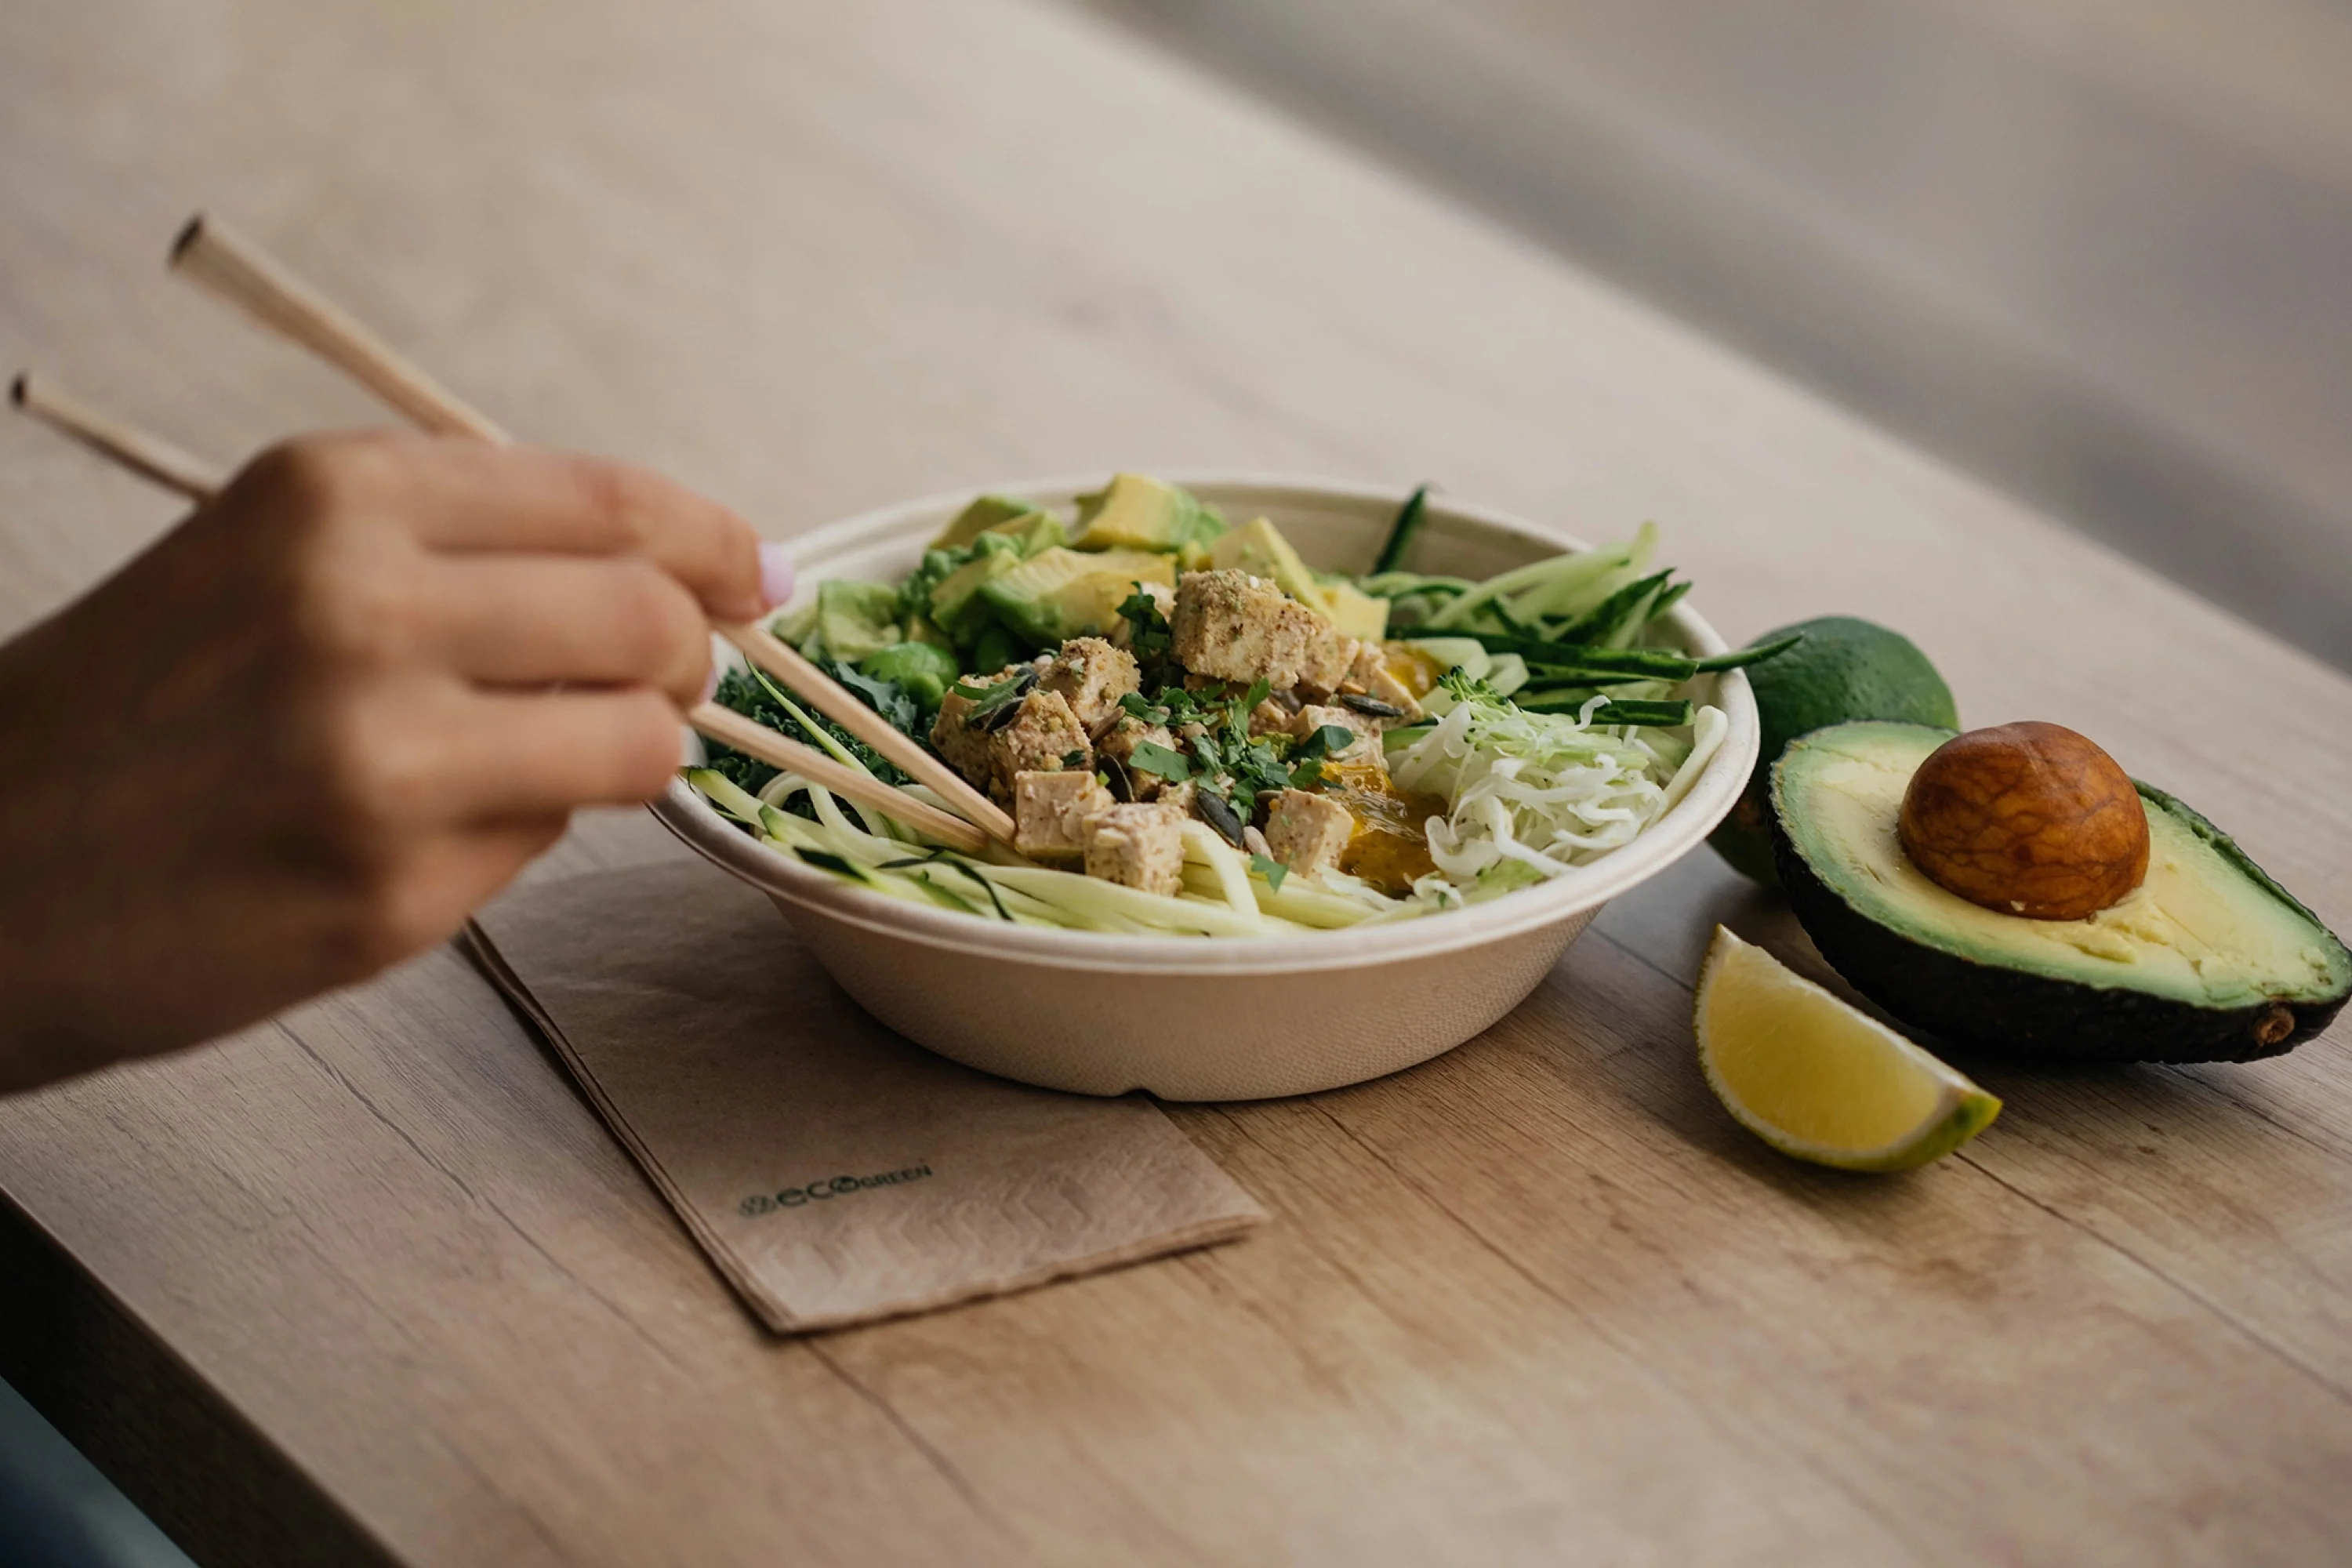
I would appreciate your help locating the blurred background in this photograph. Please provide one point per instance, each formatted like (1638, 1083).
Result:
(2096, 252)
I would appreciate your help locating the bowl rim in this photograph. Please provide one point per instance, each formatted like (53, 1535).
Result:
(694, 821)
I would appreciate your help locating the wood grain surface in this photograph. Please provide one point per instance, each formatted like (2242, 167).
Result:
(372, 1283)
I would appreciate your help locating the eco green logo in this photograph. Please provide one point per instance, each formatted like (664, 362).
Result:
(826, 1190)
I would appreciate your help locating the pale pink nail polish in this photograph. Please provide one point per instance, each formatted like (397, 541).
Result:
(776, 574)
(710, 683)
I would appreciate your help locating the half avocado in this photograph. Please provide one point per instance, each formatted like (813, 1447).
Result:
(2208, 959)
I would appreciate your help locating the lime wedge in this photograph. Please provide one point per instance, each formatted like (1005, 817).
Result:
(1818, 1080)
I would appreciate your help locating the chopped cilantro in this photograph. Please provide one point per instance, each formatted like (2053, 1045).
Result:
(1273, 870)
(1155, 758)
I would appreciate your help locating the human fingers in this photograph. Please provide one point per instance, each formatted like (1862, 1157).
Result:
(535, 620)
(524, 754)
(482, 498)
(457, 495)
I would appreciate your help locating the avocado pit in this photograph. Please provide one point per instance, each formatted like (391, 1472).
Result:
(2029, 818)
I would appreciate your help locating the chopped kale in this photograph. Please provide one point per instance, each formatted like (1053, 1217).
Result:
(746, 694)
(887, 698)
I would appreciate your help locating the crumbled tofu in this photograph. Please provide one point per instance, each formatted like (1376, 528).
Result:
(1042, 736)
(1050, 811)
(1092, 676)
(1307, 832)
(1116, 752)
(1159, 594)
(1364, 748)
(1137, 847)
(1233, 626)
(1370, 676)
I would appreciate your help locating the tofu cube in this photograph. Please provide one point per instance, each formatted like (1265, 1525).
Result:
(1307, 832)
(1325, 654)
(1044, 737)
(1116, 752)
(1364, 749)
(1050, 811)
(1235, 627)
(1041, 736)
(1092, 676)
(1370, 676)
(1137, 847)
(966, 749)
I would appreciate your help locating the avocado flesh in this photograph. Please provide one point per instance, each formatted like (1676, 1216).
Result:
(1062, 593)
(2208, 959)
(1136, 512)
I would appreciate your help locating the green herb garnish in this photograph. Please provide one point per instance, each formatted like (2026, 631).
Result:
(1154, 758)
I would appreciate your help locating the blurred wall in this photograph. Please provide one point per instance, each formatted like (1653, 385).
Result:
(2098, 252)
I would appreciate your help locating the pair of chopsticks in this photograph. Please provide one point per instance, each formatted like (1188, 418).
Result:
(233, 270)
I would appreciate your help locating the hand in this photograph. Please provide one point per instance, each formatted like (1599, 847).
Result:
(311, 728)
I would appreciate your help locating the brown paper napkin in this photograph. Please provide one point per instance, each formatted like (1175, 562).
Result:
(833, 1172)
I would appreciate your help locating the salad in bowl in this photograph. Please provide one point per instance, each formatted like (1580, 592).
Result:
(1198, 734)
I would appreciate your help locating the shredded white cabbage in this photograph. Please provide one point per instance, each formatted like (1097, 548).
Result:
(1533, 795)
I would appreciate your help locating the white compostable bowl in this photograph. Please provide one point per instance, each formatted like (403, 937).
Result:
(1213, 1018)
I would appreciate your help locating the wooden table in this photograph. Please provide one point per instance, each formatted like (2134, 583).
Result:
(373, 1284)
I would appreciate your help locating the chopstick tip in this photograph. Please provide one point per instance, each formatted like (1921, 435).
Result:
(189, 232)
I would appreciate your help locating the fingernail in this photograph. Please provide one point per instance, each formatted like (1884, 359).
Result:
(710, 683)
(776, 574)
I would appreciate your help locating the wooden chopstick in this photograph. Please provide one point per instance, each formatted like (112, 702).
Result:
(756, 739)
(234, 269)
(151, 457)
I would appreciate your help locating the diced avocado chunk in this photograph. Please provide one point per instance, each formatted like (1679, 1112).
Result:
(853, 619)
(956, 604)
(1356, 612)
(795, 625)
(1258, 548)
(984, 515)
(922, 670)
(2208, 959)
(923, 629)
(1065, 593)
(1136, 512)
(939, 594)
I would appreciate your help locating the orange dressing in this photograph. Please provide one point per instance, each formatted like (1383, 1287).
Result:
(1389, 849)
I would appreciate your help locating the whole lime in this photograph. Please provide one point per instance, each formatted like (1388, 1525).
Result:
(1845, 669)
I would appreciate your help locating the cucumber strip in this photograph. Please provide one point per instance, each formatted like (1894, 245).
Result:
(1558, 573)
(725, 794)
(1756, 653)
(1400, 585)
(1203, 847)
(1645, 663)
(1598, 623)
(1667, 715)
(1087, 895)
(1400, 532)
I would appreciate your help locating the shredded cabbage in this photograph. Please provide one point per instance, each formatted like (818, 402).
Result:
(1534, 795)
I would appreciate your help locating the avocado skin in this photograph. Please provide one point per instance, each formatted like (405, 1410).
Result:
(2030, 1019)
